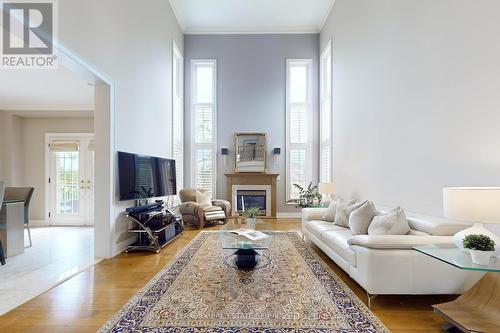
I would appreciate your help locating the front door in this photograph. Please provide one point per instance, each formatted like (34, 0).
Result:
(71, 180)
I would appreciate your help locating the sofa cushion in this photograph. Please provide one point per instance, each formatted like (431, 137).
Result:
(360, 219)
(337, 241)
(343, 210)
(406, 242)
(414, 232)
(392, 223)
(318, 227)
(436, 226)
(330, 212)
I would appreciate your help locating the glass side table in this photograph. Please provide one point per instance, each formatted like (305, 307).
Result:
(478, 309)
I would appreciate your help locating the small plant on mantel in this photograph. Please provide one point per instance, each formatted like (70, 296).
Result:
(306, 196)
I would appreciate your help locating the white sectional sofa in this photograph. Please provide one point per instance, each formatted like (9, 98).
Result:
(388, 264)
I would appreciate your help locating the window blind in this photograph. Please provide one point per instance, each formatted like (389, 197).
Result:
(204, 124)
(325, 158)
(178, 117)
(298, 101)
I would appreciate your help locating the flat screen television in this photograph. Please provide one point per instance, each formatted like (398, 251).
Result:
(142, 176)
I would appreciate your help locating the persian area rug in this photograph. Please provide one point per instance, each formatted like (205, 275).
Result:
(290, 290)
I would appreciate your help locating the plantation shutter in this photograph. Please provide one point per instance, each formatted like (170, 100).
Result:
(204, 115)
(298, 110)
(178, 118)
(325, 158)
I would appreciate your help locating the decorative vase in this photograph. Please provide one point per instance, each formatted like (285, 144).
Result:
(477, 229)
(481, 257)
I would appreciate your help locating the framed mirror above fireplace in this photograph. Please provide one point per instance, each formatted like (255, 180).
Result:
(251, 152)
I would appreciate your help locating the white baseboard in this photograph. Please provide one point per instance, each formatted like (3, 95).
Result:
(122, 246)
(288, 215)
(38, 223)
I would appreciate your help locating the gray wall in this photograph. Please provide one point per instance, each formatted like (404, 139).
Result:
(416, 98)
(251, 93)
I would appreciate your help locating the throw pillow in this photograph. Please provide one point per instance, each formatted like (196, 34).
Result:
(330, 212)
(392, 223)
(343, 210)
(360, 219)
(203, 199)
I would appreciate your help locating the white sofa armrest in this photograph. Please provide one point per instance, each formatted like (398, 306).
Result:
(397, 241)
(309, 214)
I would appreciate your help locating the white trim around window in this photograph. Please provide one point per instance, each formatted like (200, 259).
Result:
(298, 116)
(325, 115)
(178, 114)
(204, 124)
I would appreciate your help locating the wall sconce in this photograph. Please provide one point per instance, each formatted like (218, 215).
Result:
(276, 153)
(224, 152)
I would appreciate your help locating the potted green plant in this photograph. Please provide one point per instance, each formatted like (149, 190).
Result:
(481, 248)
(250, 213)
(307, 195)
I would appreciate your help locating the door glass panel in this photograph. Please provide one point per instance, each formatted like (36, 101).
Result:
(67, 186)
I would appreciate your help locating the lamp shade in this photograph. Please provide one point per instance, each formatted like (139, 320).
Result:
(326, 188)
(474, 204)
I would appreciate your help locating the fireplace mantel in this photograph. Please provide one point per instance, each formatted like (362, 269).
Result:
(251, 178)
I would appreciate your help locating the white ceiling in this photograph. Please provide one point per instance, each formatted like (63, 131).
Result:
(251, 16)
(45, 90)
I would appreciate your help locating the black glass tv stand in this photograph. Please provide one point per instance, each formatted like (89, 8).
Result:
(155, 228)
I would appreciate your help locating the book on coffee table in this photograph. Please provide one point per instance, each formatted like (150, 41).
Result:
(253, 235)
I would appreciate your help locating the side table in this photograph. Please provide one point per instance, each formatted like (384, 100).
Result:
(478, 309)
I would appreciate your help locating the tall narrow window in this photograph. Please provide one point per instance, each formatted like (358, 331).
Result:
(298, 108)
(204, 115)
(178, 115)
(325, 152)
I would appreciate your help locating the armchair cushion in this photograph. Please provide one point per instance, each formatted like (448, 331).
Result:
(397, 241)
(203, 198)
(210, 208)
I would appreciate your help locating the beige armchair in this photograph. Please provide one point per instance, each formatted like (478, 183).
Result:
(199, 215)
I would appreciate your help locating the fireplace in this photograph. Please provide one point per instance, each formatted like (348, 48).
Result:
(246, 196)
(251, 198)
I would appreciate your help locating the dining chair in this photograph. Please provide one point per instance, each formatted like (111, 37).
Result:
(24, 194)
(2, 254)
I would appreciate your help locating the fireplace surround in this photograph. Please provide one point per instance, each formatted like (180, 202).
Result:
(254, 185)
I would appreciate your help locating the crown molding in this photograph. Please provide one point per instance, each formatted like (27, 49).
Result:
(46, 107)
(180, 22)
(277, 32)
(326, 17)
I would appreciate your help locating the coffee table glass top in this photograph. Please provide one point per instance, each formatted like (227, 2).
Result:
(234, 242)
(452, 255)
(231, 241)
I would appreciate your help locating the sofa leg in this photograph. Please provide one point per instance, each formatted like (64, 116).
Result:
(370, 298)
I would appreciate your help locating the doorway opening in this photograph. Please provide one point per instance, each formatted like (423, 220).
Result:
(69, 159)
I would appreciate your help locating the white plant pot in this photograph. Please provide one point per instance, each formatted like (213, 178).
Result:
(478, 229)
(481, 257)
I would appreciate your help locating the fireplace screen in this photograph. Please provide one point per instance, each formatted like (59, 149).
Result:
(251, 198)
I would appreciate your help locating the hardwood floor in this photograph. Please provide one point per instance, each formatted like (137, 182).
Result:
(88, 300)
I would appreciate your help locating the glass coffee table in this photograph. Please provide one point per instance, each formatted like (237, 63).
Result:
(247, 252)
(478, 309)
